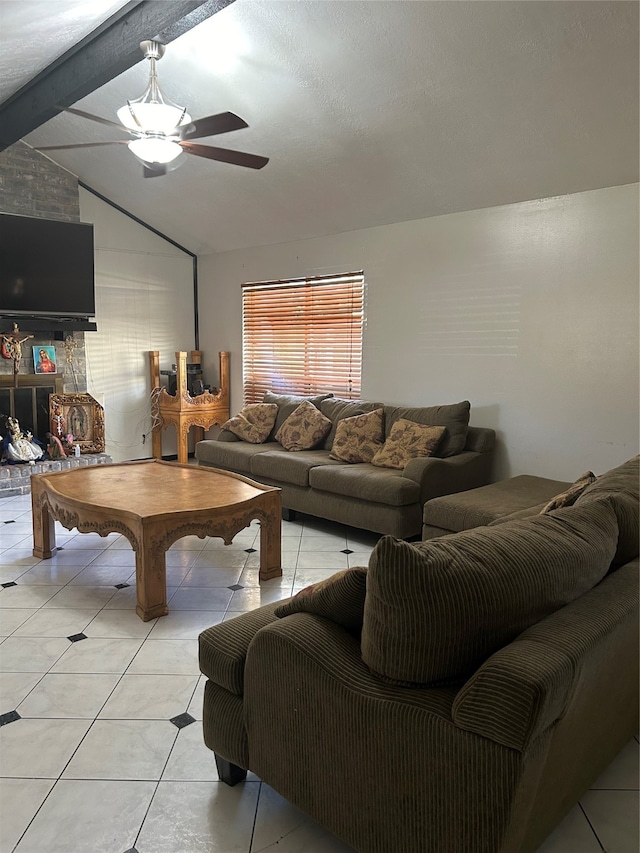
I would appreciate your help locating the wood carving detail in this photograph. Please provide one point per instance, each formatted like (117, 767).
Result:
(224, 529)
(70, 520)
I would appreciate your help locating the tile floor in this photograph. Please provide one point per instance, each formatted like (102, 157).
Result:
(103, 757)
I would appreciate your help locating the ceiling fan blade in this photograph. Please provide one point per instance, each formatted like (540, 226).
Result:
(82, 145)
(99, 119)
(155, 171)
(225, 155)
(212, 125)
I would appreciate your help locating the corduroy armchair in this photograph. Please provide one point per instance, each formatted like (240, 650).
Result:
(489, 763)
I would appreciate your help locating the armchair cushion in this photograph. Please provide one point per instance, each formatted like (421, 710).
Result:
(621, 486)
(339, 598)
(436, 610)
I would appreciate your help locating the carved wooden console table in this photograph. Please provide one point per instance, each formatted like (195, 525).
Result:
(154, 504)
(183, 410)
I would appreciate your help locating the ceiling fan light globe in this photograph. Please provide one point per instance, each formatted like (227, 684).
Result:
(153, 117)
(155, 150)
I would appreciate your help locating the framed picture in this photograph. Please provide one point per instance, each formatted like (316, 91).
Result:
(44, 360)
(80, 415)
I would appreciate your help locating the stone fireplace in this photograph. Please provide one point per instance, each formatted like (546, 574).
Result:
(29, 402)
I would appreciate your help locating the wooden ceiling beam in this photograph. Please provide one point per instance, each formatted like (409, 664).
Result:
(110, 49)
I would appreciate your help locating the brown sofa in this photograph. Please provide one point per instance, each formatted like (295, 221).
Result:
(458, 696)
(383, 500)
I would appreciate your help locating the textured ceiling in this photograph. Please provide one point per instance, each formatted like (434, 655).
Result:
(370, 113)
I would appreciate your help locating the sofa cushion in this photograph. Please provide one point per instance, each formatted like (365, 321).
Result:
(358, 438)
(366, 483)
(287, 403)
(336, 409)
(305, 428)
(455, 417)
(339, 598)
(570, 495)
(285, 467)
(408, 440)
(436, 610)
(622, 486)
(232, 455)
(253, 423)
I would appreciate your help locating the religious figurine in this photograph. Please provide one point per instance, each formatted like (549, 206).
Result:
(54, 447)
(19, 446)
(11, 347)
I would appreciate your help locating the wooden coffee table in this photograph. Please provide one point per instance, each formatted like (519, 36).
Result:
(154, 504)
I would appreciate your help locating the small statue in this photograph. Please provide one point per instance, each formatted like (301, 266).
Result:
(11, 347)
(54, 447)
(19, 446)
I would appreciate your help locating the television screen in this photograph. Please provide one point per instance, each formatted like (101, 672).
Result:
(46, 267)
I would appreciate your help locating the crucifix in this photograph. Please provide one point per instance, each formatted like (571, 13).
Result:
(11, 347)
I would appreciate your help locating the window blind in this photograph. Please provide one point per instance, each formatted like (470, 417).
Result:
(303, 336)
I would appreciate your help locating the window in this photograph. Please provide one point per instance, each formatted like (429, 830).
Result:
(303, 336)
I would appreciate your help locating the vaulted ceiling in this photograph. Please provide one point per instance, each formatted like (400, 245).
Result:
(369, 112)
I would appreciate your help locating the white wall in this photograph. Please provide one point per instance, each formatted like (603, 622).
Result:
(529, 310)
(144, 301)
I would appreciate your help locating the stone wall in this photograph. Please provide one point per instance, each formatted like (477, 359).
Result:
(33, 185)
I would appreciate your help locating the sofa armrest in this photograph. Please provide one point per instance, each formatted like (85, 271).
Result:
(579, 662)
(222, 649)
(436, 477)
(515, 695)
(324, 648)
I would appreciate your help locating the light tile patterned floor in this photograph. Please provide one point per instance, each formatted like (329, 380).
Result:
(97, 762)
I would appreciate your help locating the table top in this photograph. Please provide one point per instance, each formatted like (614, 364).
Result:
(151, 487)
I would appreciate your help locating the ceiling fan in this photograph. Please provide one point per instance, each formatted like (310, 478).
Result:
(161, 131)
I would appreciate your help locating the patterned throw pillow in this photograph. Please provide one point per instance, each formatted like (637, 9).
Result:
(305, 428)
(359, 438)
(339, 598)
(407, 440)
(254, 423)
(570, 495)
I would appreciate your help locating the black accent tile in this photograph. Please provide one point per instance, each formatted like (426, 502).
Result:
(182, 720)
(235, 586)
(75, 638)
(11, 521)
(9, 717)
(10, 583)
(346, 551)
(122, 585)
(250, 550)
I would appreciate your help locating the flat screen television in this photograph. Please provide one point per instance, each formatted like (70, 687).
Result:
(46, 268)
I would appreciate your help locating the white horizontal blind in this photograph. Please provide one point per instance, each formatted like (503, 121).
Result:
(303, 336)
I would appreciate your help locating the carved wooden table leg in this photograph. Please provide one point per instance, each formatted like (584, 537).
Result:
(151, 580)
(271, 537)
(44, 530)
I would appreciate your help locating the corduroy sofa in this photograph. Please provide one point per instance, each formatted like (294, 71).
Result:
(404, 706)
(383, 500)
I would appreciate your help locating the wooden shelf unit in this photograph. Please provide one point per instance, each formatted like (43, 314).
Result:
(182, 410)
